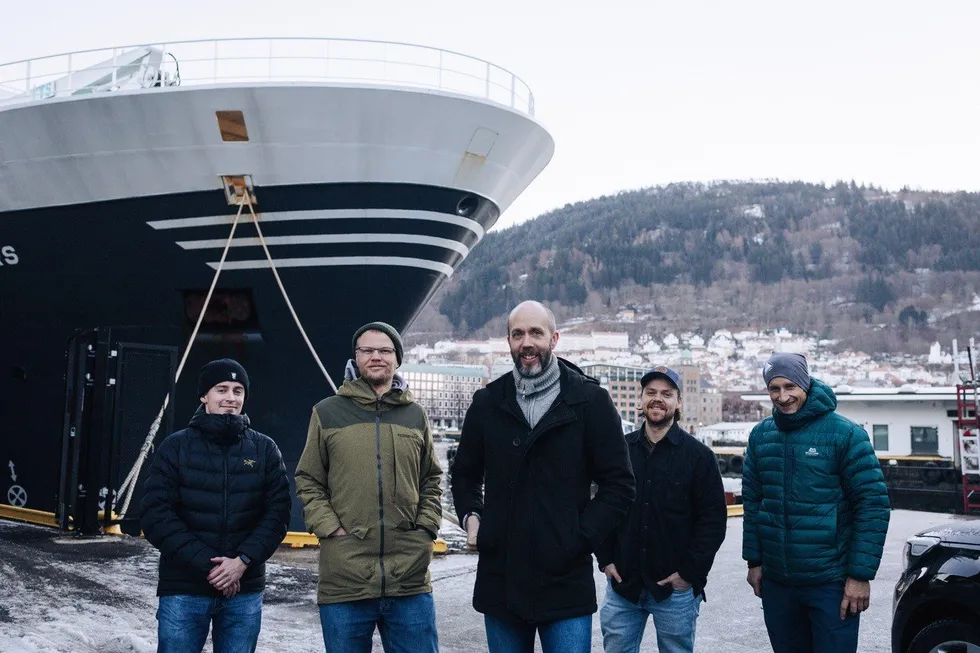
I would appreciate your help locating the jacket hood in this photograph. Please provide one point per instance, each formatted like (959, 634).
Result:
(220, 428)
(819, 401)
(361, 392)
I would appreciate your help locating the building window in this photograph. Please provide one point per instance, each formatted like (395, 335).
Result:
(925, 439)
(880, 437)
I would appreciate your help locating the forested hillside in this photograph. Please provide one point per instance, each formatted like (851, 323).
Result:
(844, 261)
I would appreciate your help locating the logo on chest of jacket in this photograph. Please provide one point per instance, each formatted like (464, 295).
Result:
(812, 451)
(249, 462)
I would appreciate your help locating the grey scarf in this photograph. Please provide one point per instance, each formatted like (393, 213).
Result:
(535, 394)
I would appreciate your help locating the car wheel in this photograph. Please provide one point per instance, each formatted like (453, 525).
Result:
(947, 636)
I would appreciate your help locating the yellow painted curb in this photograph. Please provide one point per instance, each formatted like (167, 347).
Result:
(38, 517)
(297, 540)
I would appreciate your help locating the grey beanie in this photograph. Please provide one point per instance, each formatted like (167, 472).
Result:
(789, 366)
(384, 328)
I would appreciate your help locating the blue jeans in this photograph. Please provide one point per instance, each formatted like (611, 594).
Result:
(184, 620)
(806, 618)
(407, 625)
(674, 619)
(566, 636)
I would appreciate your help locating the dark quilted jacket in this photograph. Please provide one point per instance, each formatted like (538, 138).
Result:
(816, 506)
(216, 488)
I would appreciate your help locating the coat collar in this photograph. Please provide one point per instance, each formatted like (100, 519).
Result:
(571, 385)
(674, 435)
(571, 391)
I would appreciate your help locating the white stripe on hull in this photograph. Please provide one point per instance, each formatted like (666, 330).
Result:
(352, 261)
(329, 239)
(332, 214)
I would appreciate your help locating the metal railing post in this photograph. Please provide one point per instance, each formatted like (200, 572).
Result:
(440, 68)
(487, 95)
(214, 73)
(71, 74)
(115, 65)
(28, 78)
(270, 59)
(513, 81)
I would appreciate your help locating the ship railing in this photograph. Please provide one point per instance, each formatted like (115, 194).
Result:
(261, 60)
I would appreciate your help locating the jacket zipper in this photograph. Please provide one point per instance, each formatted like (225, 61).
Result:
(224, 491)
(381, 502)
(787, 480)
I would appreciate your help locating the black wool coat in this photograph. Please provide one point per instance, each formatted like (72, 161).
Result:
(532, 488)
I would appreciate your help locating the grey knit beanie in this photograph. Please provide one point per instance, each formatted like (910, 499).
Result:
(384, 328)
(789, 366)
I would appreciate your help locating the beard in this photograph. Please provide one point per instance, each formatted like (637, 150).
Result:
(537, 366)
(377, 377)
(666, 420)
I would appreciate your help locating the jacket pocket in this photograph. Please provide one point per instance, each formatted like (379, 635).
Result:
(560, 542)
(677, 497)
(408, 459)
(347, 561)
(814, 470)
(408, 563)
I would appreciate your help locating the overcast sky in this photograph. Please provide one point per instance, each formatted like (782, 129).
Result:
(647, 92)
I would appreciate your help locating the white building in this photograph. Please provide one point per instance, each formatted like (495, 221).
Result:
(726, 432)
(445, 392)
(615, 340)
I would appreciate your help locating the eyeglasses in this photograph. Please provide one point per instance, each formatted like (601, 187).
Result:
(371, 351)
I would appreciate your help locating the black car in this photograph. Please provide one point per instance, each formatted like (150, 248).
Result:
(937, 599)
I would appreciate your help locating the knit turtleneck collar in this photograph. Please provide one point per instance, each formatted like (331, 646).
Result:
(531, 385)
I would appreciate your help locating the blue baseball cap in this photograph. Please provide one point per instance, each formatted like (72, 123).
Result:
(662, 372)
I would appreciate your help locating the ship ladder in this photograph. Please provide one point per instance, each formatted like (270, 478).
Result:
(244, 199)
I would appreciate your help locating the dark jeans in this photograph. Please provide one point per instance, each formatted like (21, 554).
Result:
(806, 618)
(566, 636)
(184, 622)
(407, 625)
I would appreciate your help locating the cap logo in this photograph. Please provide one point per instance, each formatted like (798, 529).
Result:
(660, 368)
(234, 376)
(765, 370)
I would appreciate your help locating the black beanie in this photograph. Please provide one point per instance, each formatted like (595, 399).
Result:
(789, 366)
(384, 328)
(220, 371)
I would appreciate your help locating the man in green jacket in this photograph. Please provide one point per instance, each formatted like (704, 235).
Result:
(369, 481)
(816, 514)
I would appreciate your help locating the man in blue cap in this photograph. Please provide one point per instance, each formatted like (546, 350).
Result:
(816, 514)
(657, 560)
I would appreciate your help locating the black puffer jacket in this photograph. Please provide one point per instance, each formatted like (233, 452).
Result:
(216, 488)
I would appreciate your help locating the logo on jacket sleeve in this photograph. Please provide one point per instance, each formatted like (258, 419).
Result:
(812, 451)
(249, 462)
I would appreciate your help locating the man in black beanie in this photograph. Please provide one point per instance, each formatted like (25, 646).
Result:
(216, 504)
(816, 514)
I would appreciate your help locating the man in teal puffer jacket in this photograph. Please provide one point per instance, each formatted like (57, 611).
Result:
(816, 514)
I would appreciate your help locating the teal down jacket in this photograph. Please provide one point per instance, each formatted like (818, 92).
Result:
(816, 505)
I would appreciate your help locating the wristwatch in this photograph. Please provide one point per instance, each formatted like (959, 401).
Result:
(244, 558)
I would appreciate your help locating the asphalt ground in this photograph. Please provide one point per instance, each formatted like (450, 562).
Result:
(60, 594)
